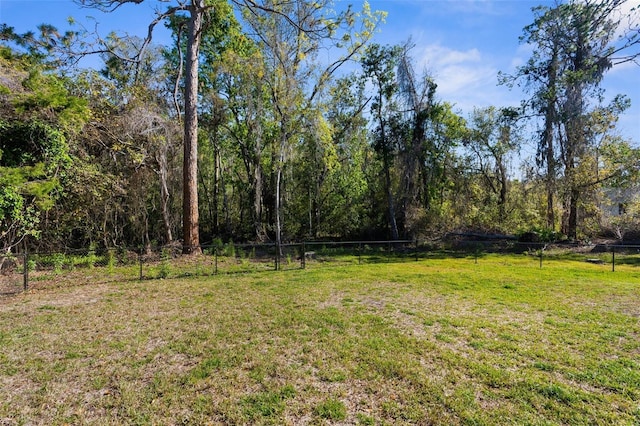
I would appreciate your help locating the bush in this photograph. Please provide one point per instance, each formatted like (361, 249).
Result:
(229, 249)
(165, 268)
(110, 259)
(540, 235)
(58, 261)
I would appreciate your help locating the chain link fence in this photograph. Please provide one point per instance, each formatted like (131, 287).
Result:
(28, 271)
(13, 277)
(610, 255)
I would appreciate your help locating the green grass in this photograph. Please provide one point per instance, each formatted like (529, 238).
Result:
(440, 341)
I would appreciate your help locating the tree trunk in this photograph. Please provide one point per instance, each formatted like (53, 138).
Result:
(577, 140)
(391, 206)
(550, 122)
(216, 189)
(551, 219)
(551, 167)
(257, 200)
(411, 158)
(504, 182)
(572, 224)
(164, 194)
(283, 144)
(256, 174)
(191, 238)
(316, 208)
(278, 225)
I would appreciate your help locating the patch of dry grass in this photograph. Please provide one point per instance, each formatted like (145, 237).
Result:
(432, 342)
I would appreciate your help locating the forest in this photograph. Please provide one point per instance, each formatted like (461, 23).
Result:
(242, 130)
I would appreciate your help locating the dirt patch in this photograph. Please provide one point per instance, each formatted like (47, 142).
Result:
(35, 299)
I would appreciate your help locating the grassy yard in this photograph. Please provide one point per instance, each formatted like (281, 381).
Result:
(432, 342)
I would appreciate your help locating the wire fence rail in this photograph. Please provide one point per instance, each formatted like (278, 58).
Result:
(30, 271)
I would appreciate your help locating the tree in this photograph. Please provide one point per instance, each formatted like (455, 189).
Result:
(249, 126)
(197, 11)
(619, 165)
(492, 138)
(418, 94)
(434, 131)
(304, 24)
(289, 36)
(331, 166)
(575, 44)
(37, 117)
(222, 41)
(413, 132)
(379, 64)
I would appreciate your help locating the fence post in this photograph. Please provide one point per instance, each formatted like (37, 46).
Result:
(277, 246)
(541, 251)
(359, 253)
(613, 258)
(26, 270)
(416, 249)
(215, 254)
(140, 262)
(303, 256)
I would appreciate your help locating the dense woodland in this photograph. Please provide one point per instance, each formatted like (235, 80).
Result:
(241, 130)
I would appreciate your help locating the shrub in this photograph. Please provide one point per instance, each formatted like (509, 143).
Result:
(540, 235)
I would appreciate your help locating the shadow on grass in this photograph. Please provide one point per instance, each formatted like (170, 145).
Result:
(627, 260)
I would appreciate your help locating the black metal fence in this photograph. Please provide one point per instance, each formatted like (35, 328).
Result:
(24, 271)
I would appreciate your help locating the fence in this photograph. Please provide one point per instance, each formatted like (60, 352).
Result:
(23, 271)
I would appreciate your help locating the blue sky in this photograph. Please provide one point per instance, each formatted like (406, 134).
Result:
(462, 43)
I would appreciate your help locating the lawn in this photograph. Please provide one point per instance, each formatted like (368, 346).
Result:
(439, 341)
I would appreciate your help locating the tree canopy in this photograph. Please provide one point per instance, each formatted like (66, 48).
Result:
(277, 121)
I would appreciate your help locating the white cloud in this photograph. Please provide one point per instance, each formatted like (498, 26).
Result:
(628, 14)
(477, 7)
(442, 56)
(522, 55)
(462, 81)
(464, 77)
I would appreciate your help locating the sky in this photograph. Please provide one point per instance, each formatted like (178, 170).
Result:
(462, 43)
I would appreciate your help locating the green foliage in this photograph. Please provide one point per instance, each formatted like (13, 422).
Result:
(165, 266)
(11, 203)
(111, 260)
(346, 156)
(222, 33)
(31, 143)
(229, 249)
(38, 116)
(48, 93)
(576, 43)
(57, 261)
(31, 265)
(544, 235)
(241, 253)
(18, 217)
(33, 157)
